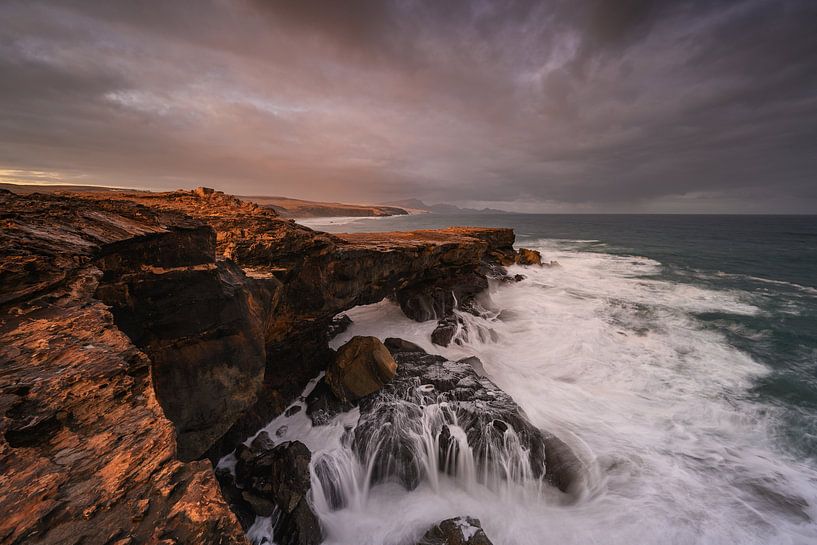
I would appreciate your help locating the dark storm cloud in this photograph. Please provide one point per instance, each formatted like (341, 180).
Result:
(696, 105)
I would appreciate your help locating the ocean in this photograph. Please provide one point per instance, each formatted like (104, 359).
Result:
(676, 355)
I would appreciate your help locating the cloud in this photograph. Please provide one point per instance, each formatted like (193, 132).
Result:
(563, 105)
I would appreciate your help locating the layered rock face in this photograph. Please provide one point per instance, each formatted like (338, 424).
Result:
(138, 333)
(87, 454)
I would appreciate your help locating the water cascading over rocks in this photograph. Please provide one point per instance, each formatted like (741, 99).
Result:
(439, 417)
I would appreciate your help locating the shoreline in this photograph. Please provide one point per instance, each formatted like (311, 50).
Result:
(186, 277)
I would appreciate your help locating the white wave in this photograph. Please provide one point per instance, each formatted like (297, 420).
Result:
(805, 289)
(613, 360)
(325, 222)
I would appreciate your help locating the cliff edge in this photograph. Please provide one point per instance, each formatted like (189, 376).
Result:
(143, 335)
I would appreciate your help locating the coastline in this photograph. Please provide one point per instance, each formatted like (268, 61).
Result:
(173, 280)
(612, 351)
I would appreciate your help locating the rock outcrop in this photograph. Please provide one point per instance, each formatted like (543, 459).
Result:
(456, 531)
(201, 322)
(528, 257)
(321, 275)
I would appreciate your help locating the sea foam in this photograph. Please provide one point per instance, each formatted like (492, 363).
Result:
(604, 353)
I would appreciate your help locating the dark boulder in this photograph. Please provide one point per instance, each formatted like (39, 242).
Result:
(276, 479)
(396, 345)
(431, 393)
(444, 333)
(456, 531)
(338, 325)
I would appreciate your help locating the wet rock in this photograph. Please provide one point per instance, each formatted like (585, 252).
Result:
(322, 405)
(476, 365)
(276, 479)
(494, 270)
(331, 476)
(446, 328)
(456, 531)
(432, 393)
(526, 256)
(338, 325)
(361, 367)
(438, 298)
(400, 345)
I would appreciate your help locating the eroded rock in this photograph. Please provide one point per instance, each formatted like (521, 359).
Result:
(87, 454)
(229, 306)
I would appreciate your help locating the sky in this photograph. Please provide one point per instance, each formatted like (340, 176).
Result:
(553, 106)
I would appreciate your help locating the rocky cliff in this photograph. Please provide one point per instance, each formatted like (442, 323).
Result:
(87, 453)
(141, 335)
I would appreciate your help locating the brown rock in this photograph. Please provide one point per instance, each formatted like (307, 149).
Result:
(203, 192)
(361, 367)
(528, 257)
(83, 440)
